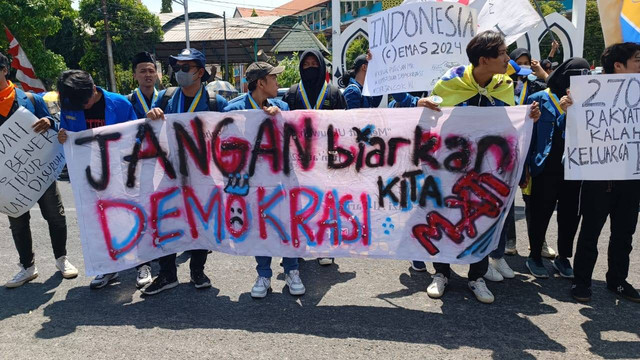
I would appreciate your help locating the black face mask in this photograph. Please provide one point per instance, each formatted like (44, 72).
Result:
(309, 75)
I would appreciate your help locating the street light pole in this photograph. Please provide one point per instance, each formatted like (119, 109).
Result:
(226, 59)
(186, 20)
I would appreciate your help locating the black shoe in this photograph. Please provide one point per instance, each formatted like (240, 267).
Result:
(160, 284)
(581, 293)
(200, 280)
(626, 291)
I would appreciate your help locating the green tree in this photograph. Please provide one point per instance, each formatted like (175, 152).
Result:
(291, 73)
(133, 29)
(69, 41)
(323, 39)
(358, 46)
(31, 22)
(254, 13)
(593, 38)
(166, 7)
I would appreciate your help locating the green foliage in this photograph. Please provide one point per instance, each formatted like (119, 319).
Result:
(359, 46)
(323, 39)
(254, 13)
(291, 73)
(32, 21)
(166, 7)
(124, 79)
(593, 38)
(133, 29)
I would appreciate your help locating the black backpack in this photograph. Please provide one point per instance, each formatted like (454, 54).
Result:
(211, 97)
(292, 95)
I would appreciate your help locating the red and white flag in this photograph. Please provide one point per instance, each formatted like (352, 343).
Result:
(20, 62)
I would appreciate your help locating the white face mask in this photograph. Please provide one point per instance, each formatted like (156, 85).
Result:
(184, 79)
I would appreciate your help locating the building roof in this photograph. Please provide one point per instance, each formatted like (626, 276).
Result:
(295, 7)
(300, 38)
(169, 20)
(247, 12)
(245, 37)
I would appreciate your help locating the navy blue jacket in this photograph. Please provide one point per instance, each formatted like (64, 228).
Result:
(354, 98)
(542, 137)
(203, 104)
(243, 103)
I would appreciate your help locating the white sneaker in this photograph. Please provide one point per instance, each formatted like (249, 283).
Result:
(144, 276)
(547, 251)
(261, 287)
(437, 286)
(294, 283)
(101, 281)
(24, 276)
(325, 261)
(493, 274)
(480, 290)
(503, 268)
(68, 271)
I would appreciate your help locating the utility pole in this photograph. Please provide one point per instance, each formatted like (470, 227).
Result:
(336, 58)
(112, 75)
(226, 59)
(186, 21)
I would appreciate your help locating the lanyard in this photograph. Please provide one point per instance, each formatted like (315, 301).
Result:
(143, 102)
(194, 103)
(254, 105)
(554, 99)
(523, 94)
(319, 101)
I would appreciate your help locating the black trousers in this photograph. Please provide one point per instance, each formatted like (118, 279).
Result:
(169, 269)
(53, 212)
(619, 200)
(547, 192)
(476, 270)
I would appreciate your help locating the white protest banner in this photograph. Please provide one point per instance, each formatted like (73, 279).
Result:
(29, 163)
(385, 183)
(413, 45)
(512, 18)
(603, 128)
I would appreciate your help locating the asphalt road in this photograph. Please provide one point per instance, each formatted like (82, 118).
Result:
(353, 309)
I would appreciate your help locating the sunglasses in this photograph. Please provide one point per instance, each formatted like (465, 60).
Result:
(577, 72)
(183, 67)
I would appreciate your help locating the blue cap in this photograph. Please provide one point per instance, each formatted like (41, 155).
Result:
(191, 54)
(514, 68)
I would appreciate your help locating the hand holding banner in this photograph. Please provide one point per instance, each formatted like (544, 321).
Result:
(603, 128)
(29, 163)
(413, 45)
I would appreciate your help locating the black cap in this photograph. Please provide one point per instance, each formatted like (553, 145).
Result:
(359, 61)
(142, 57)
(260, 69)
(4, 61)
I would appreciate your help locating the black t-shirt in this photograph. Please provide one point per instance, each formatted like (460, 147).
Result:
(553, 163)
(187, 103)
(14, 107)
(94, 116)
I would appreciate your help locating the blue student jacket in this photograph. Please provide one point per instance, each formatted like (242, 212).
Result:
(40, 109)
(117, 110)
(403, 100)
(137, 106)
(542, 137)
(243, 103)
(354, 98)
(203, 104)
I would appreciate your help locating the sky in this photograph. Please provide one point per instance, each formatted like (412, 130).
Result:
(214, 6)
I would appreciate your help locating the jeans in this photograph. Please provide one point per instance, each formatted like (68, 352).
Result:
(53, 212)
(476, 270)
(509, 223)
(546, 192)
(264, 265)
(169, 269)
(619, 200)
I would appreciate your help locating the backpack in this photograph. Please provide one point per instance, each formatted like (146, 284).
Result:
(211, 97)
(292, 95)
